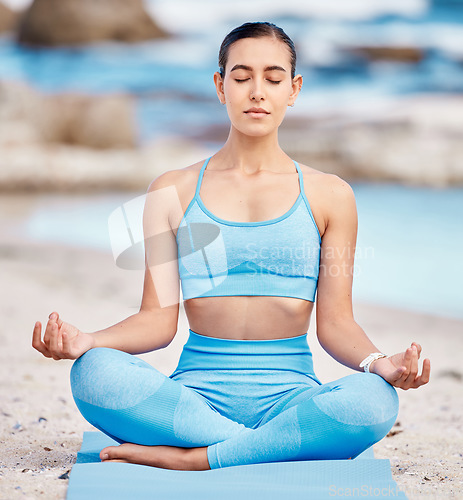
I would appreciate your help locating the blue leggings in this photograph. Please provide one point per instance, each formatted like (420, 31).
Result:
(248, 401)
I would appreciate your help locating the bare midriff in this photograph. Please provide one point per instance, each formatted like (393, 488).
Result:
(249, 317)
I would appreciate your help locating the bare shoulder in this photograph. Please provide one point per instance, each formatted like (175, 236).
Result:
(329, 195)
(180, 178)
(331, 185)
(171, 192)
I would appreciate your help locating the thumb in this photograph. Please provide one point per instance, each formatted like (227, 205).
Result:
(397, 373)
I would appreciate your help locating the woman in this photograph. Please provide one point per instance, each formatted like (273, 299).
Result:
(250, 260)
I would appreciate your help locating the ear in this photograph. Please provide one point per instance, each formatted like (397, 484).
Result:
(296, 88)
(218, 81)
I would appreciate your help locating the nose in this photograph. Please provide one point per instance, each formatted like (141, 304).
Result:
(257, 92)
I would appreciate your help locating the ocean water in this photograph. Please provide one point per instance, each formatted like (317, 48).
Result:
(172, 79)
(409, 246)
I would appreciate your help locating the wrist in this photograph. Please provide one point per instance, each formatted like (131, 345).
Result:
(368, 362)
(374, 365)
(93, 340)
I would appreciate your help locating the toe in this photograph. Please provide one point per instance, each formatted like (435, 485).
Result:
(110, 453)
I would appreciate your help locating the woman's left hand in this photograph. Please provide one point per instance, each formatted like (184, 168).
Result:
(401, 370)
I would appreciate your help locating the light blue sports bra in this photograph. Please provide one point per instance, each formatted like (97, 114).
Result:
(278, 257)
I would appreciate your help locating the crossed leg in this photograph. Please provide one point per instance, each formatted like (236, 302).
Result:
(158, 420)
(166, 424)
(337, 420)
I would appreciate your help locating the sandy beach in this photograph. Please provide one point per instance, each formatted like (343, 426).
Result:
(41, 428)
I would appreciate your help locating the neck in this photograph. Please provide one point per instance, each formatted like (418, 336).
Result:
(253, 154)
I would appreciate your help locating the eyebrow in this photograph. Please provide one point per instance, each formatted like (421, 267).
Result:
(248, 68)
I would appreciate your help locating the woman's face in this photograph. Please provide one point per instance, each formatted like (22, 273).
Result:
(257, 86)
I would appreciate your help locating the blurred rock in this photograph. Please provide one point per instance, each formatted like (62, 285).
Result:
(8, 18)
(27, 116)
(56, 143)
(417, 141)
(59, 167)
(98, 122)
(398, 54)
(71, 22)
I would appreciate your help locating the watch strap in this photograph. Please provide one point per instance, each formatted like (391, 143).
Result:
(365, 364)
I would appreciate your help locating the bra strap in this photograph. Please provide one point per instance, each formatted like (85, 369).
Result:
(203, 168)
(200, 177)
(306, 201)
(301, 179)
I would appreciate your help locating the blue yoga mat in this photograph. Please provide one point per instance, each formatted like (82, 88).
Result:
(364, 477)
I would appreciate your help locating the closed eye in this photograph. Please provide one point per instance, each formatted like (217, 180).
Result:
(275, 82)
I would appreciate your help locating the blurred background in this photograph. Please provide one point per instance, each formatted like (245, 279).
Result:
(98, 98)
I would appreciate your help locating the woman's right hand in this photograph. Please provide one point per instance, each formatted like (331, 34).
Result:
(61, 340)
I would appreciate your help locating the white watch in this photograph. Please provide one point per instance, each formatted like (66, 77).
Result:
(365, 364)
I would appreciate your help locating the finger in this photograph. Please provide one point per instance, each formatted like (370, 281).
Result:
(413, 372)
(54, 342)
(406, 363)
(66, 349)
(37, 335)
(48, 330)
(413, 365)
(60, 338)
(418, 346)
(56, 317)
(37, 343)
(425, 375)
(53, 315)
(405, 381)
(396, 376)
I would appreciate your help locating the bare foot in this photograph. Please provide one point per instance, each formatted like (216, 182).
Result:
(165, 457)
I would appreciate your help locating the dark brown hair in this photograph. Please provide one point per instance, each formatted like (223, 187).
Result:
(255, 30)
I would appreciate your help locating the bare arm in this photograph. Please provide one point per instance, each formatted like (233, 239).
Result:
(337, 330)
(155, 325)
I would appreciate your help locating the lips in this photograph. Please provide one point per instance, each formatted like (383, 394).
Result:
(258, 110)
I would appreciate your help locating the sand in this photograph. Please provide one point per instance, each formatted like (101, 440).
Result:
(41, 428)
